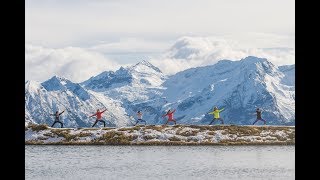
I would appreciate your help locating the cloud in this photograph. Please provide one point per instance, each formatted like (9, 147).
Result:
(130, 45)
(76, 64)
(190, 52)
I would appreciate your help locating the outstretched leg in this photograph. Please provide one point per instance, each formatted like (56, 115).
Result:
(255, 121)
(264, 121)
(94, 123)
(212, 121)
(104, 123)
(221, 120)
(175, 122)
(60, 123)
(136, 123)
(54, 123)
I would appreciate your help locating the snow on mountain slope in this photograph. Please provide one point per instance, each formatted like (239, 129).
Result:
(60, 94)
(289, 72)
(239, 86)
(134, 83)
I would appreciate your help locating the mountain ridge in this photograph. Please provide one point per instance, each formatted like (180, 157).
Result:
(240, 86)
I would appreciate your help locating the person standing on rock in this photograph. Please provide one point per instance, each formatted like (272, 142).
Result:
(216, 115)
(139, 115)
(57, 118)
(99, 117)
(259, 118)
(170, 116)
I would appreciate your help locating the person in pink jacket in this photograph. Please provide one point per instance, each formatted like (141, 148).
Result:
(99, 117)
(170, 116)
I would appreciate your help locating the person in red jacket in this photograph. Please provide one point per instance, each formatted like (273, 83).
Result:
(99, 117)
(170, 116)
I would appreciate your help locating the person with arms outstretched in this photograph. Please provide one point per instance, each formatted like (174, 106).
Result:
(216, 115)
(139, 115)
(259, 118)
(99, 117)
(170, 116)
(57, 118)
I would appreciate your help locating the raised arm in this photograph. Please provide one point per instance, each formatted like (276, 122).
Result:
(104, 110)
(210, 112)
(173, 111)
(93, 114)
(61, 112)
(221, 109)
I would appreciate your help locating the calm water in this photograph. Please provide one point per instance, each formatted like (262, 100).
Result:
(159, 162)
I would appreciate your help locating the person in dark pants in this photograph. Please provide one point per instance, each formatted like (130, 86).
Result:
(57, 118)
(99, 117)
(216, 115)
(170, 117)
(259, 118)
(139, 115)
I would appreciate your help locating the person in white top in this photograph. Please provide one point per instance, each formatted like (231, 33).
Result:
(139, 115)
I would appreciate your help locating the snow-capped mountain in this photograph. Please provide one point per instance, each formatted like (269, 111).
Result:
(58, 94)
(132, 84)
(238, 86)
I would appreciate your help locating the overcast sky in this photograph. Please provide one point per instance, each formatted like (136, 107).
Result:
(120, 32)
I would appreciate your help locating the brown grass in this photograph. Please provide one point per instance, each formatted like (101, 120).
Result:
(49, 134)
(280, 138)
(38, 128)
(42, 138)
(83, 134)
(65, 133)
(174, 138)
(155, 127)
(125, 129)
(148, 137)
(114, 138)
(187, 133)
(291, 135)
(119, 138)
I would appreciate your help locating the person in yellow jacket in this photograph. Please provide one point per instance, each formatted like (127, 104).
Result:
(216, 115)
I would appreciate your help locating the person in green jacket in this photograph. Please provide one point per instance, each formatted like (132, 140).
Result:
(216, 115)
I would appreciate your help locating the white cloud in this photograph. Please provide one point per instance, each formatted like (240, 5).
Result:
(190, 52)
(76, 64)
(130, 45)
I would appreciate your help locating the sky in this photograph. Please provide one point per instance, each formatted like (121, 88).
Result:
(64, 37)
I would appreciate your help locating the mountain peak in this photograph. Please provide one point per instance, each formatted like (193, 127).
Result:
(55, 83)
(145, 63)
(253, 59)
(32, 85)
(58, 78)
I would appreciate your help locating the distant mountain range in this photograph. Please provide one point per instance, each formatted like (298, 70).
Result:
(238, 86)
